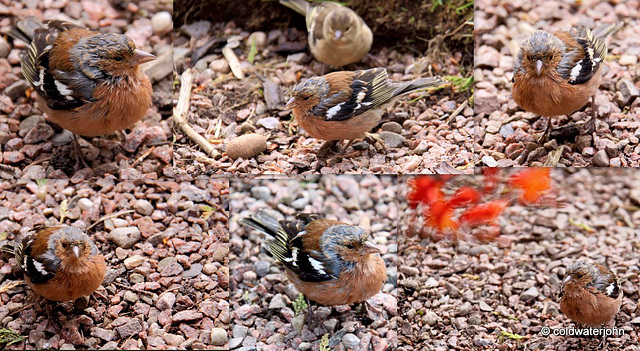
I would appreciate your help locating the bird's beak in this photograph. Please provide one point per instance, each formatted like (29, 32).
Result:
(338, 34)
(538, 66)
(369, 248)
(76, 251)
(291, 104)
(140, 57)
(566, 279)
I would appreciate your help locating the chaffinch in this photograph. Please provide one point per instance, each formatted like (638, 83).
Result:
(337, 35)
(87, 82)
(329, 262)
(590, 294)
(60, 263)
(556, 74)
(348, 104)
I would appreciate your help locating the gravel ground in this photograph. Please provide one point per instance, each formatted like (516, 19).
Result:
(506, 134)
(260, 295)
(33, 148)
(468, 296)
(167, 284)
(419, 135)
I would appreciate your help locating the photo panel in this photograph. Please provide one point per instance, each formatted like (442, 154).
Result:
(114, 265)
(92, 104)
(260, 94)
(493, 260)
(341, 232)
(557, 83)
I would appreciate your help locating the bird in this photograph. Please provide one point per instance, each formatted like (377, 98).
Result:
(87, 82)
(556, 74)
(60, 263)
(337, 35)
(590, 294)
(329, 262)
(346, 105)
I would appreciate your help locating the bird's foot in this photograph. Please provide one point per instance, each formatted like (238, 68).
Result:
(326, 148)
(80, 160)
(376, 141)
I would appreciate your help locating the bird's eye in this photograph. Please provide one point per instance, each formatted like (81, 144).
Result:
(118, 58)
(350, 246)
(307, 97)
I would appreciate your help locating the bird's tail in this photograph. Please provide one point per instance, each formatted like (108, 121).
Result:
(262, 222)
(605, 31)
(25, 29)
(418, 84)
(299, 6)
(9, 249)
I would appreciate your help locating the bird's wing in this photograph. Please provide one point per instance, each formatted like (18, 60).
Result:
(35, 258)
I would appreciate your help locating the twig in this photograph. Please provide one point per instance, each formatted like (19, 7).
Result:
(113, 215)
(180, 115)
(457, 111)
(143, 156)
(234, 63)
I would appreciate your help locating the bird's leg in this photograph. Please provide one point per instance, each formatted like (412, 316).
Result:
(591, 124)
(312, 321)
(547, 132)
(77, 153)
(326, 148)
(51, 319)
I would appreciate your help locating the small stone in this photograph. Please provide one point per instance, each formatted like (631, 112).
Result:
(268, 123)
(161, 22)
(85, 204)
(124, 237)
(188, 315)
(219, 337)
(394, 127)
(134, 261)
(391, 139)
(129, 329)
(350, 341)
(39, 133)
(130, 297)
(104, 334)
(220, 66)
(259, 39)
(4, 48)
(166, 301)
(431, 318)
(297, 322)
(246, 146)
(262, 268)
(529, 294)
(489, 161)
(601, 159)
(192, 272)
(628, 60)
(143, 207)
(240, 331)
(464, 309)
(277, 302)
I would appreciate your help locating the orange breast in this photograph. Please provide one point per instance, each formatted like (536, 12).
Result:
(545, 97)
(359, 285)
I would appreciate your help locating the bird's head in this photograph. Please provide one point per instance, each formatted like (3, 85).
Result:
(540, 53)
(307, 93)
(108, 55)
(341, 25)
(350, 243)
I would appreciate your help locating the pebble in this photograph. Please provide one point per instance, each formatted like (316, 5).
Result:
(529, 294)
(124, 237)
(161, 22)
(192, 272)
(219, 337)
(143, 207)
(270, 123)
(246, 146)
(277, 302)
(220, 66)
(394, 127)
(489, 161)
(392, 139)
(85, 204)
(166, 301)
(188, 315)
(134, 261)
(350, 341)
(5, 49)
(601, 159)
